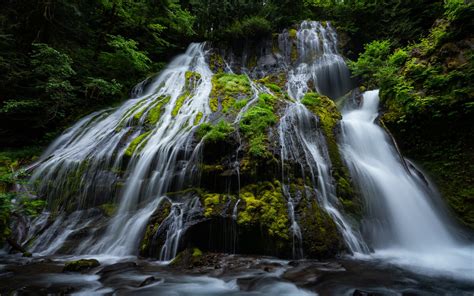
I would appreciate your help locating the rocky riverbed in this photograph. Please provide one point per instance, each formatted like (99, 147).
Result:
(217, 274)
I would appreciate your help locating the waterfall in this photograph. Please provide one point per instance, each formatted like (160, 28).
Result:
(318, 62)
(151, 134)
(301, 138)
(402, 221)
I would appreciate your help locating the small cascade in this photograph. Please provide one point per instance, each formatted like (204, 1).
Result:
(297, 236)
(402, 221)
(126, 239)
(318, 62)
(234, 233)
(173, 234)
(301, 138)
(235, 210)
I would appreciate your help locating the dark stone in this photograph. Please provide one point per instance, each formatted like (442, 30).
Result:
(358, 292)
(148, 281)
(117, 268)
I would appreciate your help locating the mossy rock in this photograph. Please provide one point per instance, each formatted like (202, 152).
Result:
(154, 113)
(137, 144)
(192, 79)
(188, 258)
(228, 88)
(150, 244)
(179, 103)
(216, 62)
(255, 123)
(321, 238)
(108, 209)
(214, 204)
(274, 82)
(264, 204)
(329, 120)
(81, 265)
(216, 133)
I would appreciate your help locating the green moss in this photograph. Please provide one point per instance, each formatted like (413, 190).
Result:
(214, 103)
(191, 79)
(325, 109)
(227, 103)
(216, 62)
(212, 168)
(258, 146)
(179, 103)
(152, 228)
(198, 118)
(227, 88)
(138, 142)
(80, 265)
(329, 117)
(197, 252)
(264, 204)
(109, 209)
(255, 122)
(188, 259)
(273, 80)
(292, 33)
(212, 201)
(154, 113)
(321, 237)
(311, 100)
(214, 133)
(273, 87)
(238, 105)
(191, 75)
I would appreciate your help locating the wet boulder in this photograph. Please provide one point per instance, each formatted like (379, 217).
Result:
(81, 265)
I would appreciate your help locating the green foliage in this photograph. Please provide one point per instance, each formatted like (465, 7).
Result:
(400, 21)
(125, 55)
(371, 60)
(61, 60)
(13, 203)
(96, 88)
(458, 9)
(311, 99)
(249, 28)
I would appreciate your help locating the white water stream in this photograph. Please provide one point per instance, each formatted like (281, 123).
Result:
(401, 219)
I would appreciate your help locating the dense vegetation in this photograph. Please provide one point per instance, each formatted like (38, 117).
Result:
(62, 59)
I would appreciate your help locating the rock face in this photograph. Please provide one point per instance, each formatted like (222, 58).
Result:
(243, 160)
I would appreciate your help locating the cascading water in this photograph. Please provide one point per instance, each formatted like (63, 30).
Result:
(318, 62)
(402, 222)
(153, 132)
(300, 133)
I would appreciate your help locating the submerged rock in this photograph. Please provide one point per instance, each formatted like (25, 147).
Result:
(81, 265)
